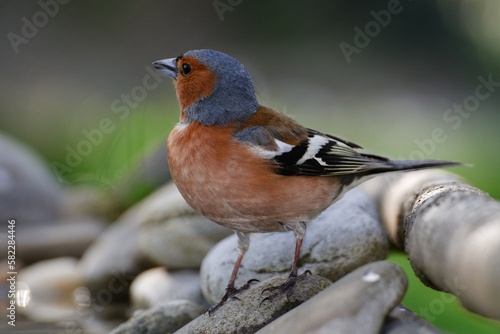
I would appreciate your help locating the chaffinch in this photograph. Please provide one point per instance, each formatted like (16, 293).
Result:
(251, 168)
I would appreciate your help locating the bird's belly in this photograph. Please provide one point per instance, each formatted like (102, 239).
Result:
(236, 189)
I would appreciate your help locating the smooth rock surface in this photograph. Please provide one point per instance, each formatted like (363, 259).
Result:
(403, 321)
(172, 234)
(29, 194)
(161, 319)
(85, 201)
(50, 221)
(47, 289)
(161, 229)
(357, 303)
(250, 312)
(115, 256)
(26, 182)
(66, 238)
(344, 237)
(156, 286)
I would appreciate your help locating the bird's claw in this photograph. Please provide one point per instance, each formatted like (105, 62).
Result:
(276, 291)
(231, 293)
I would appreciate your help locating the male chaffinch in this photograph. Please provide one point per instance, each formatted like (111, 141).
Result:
(251, 168)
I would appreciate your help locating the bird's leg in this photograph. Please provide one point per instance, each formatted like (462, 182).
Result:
(298, 245)
(231, 291)
(300, 232)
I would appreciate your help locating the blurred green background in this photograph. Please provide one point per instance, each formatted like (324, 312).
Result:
(405, 87)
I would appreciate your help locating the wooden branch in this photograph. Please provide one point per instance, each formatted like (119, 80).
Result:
(450, 231)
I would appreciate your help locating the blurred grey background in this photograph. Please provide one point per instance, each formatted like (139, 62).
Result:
(67, 65)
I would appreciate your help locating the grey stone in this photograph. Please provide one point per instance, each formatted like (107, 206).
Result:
(115, 256)
(403, 321)
(29, 195)
(156, 286)
(345, 236)
(50, 221)
(65, 238)
(250, 311)
(161, 319)
(137, 240)
(357, 303)
(172, 234)
(86, 201)
(28, 191)
(45, 289)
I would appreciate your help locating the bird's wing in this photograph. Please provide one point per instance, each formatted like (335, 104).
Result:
(296, 150)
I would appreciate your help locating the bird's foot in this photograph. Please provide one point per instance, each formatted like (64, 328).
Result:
(231, 293)
(286, 287)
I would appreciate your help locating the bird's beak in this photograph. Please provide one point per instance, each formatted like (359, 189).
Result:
(167, 66)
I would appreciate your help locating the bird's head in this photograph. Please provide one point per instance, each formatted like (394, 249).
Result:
(212, 87)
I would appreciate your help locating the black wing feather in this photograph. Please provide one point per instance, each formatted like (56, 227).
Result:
(338, 157)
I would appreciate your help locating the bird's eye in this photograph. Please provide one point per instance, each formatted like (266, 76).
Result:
(185, 69)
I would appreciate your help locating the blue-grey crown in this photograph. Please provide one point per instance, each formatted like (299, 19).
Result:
(233, 97)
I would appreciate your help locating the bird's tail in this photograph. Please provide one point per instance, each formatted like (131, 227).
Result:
(408, 165)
